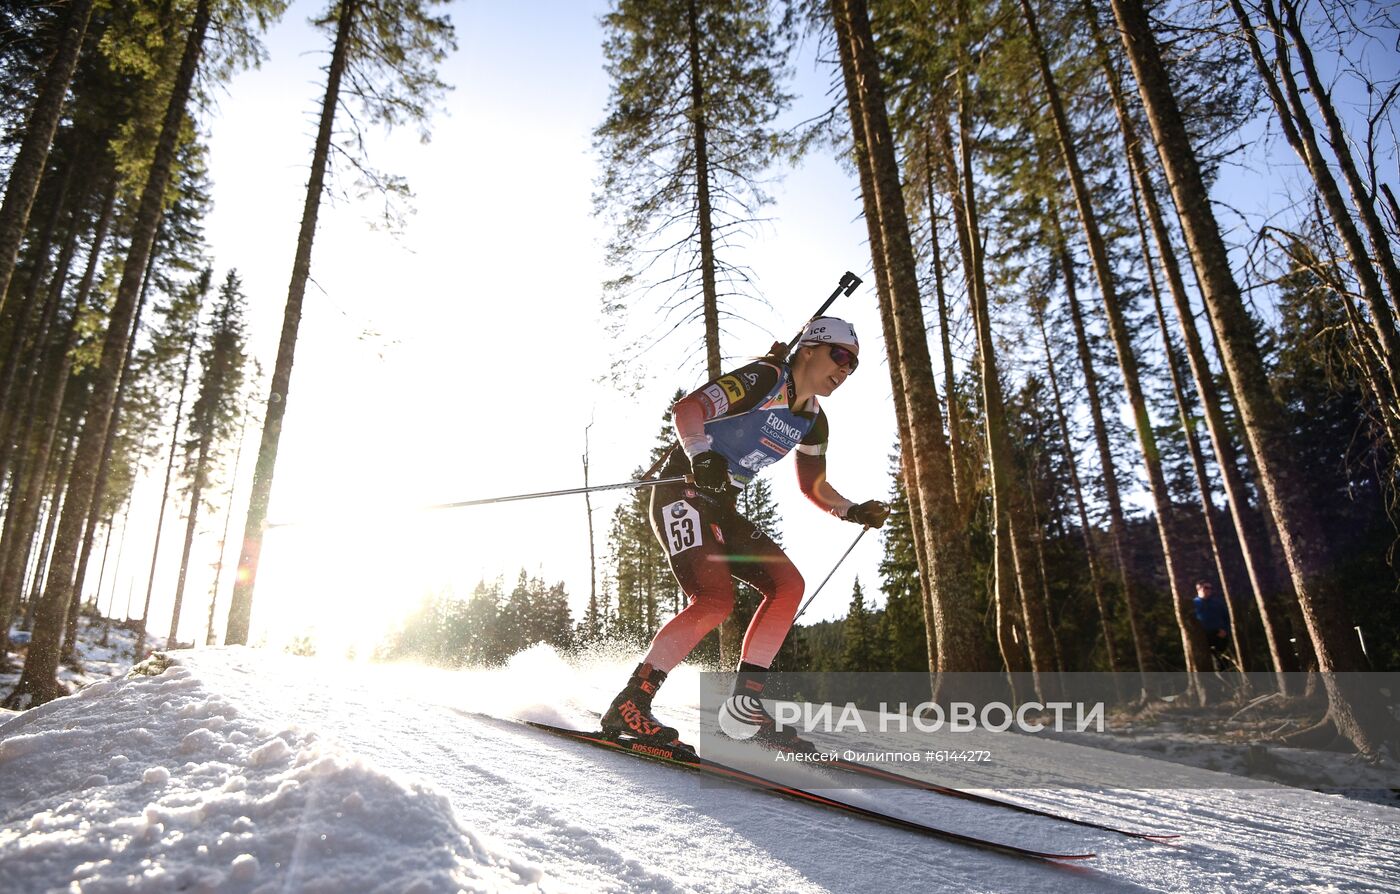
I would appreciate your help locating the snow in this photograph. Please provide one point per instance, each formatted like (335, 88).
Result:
(245, 770)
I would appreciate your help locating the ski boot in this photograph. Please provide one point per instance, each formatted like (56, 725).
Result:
(744, 718)
(630, 712)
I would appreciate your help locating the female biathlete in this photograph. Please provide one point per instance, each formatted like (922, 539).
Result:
(729, 430)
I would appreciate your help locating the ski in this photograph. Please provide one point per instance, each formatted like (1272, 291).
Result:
(912, 782)
(684, 756)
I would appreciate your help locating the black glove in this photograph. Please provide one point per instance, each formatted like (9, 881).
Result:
(711, 471)
(871, 514)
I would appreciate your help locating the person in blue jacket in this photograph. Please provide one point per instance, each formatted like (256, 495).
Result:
(1214, 617)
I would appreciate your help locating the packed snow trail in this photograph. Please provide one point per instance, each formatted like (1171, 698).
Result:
(250, 771)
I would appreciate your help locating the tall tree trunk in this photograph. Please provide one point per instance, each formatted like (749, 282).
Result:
(1286, 601)
(102, 565)
(101, 579)
(731, 634)
(1192, 642)
(951, 177)
(58, 389)
(35, 365)
(1013, 590)
(39, 682)
(1038, 537)
(959, 644)
(209, 638)
(1304, 545)
(42, 356)
(121, 552)
(23, 323)
(99, 493)
(201, 475)
(1117, 522)
(1258, 563)
(116, 568)
(56, 501)
(240, 612)
(961, 496)
(165, 493)
(592, 552)
(860, 149)
(699, 122)
(1193, 448)
(28, 167)
(1091, 552)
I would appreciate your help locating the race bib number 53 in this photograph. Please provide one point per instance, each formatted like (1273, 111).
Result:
(681, 525)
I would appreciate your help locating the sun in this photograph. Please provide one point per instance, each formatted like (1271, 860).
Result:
(342, 587)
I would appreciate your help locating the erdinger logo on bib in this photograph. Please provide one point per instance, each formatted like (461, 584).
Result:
(774, 424)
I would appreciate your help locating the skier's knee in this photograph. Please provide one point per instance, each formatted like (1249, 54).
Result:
(791, 590)
(713, 606)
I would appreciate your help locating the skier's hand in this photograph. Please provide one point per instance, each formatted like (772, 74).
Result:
(871, 514)
(778, 353)
(711, 471)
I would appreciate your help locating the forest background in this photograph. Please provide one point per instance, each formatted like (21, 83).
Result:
(1042, 343)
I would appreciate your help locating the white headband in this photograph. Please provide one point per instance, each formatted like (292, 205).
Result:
(829, 330)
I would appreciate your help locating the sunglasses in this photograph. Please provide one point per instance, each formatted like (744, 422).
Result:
(844, 357)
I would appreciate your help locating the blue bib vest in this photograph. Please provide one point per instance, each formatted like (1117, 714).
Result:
(755, 439)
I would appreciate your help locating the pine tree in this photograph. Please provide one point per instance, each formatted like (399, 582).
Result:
(861, 648)
(39, 682)
(384, 55)
(905, 636)
(555, 622)
(173, 345)
(213, 414)
(483, 643)
(696, 88)
(516, 627)
(923, 443)
(23, 178)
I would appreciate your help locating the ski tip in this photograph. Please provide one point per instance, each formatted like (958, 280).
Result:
(1070, 858)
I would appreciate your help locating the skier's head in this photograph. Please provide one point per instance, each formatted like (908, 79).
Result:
(827, 353)
(830, 331)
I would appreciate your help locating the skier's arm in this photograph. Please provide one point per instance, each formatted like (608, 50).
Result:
(811, 478)
(689, 416)
(811, 471)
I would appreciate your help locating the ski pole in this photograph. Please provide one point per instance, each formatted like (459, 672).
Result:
(809, 599)
(514, 497)
(558, 493)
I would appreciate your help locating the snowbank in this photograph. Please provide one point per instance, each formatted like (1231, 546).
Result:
(242, 770)
(153, 783)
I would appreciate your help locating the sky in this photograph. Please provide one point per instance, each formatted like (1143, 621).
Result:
(465, 357)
